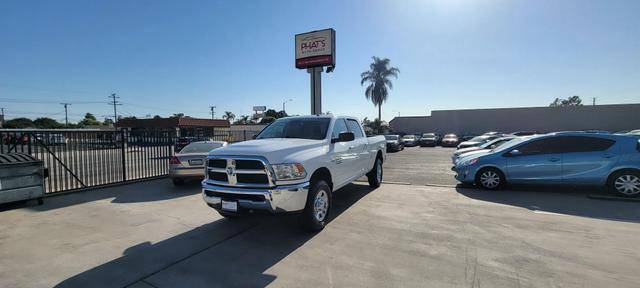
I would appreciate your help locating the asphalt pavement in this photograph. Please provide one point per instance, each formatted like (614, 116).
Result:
(152, 234)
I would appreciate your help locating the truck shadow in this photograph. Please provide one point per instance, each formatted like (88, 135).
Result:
(561, 200)
(224, 253)
(145, 191)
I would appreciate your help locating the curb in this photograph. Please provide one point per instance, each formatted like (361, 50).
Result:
(611, 197)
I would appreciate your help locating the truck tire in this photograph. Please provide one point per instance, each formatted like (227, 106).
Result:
(177, 181)
(375, 175)
(316, 211)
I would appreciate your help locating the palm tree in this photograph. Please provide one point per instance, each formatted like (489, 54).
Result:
(228, 115)
(379, 81)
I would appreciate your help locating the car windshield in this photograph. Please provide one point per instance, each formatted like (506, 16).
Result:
(510, 143)
(430, 135)
(302, 128)
(480, 139)
(409, 137)
(450, 136)
(201, 147)
(495, 143)
(391, 137)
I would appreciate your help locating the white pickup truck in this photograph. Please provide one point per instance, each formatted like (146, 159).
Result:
(293, 165)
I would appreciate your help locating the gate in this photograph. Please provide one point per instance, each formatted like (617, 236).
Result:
(78, 159)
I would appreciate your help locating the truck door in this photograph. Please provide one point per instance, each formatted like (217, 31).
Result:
(359, 148)
(342, 159)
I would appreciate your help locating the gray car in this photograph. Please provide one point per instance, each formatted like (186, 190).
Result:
(189, 162)
(486, 146)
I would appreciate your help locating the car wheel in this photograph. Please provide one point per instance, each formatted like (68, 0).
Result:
(490, 179)
(625, 183)
(375, 175)
(318, 207)
(177, 181)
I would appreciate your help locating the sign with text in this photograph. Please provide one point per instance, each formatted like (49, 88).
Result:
(316, 48)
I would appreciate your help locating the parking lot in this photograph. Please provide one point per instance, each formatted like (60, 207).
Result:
(420, 166)
(152, 234)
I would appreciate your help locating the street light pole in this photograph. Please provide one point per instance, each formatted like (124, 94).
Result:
(284, 102)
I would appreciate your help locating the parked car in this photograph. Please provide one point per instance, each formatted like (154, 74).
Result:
(525, 133)
(429, 139)
(478, 140)
(409, 140)
(450, 140)
(189, 162)
(57, 139)
(574, 158)
(184, 141)
(292, 166)
(393, 143)
(492, 133)
(634, 132)
(493, 144)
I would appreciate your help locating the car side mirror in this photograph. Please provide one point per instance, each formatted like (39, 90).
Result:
(344, 137)
(515, 152)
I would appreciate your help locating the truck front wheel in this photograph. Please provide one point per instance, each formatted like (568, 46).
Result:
(318, 207)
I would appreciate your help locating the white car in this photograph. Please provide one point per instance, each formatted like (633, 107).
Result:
(189, 162)
(293, 165)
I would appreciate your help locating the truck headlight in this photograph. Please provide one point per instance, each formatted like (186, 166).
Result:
(289, 171)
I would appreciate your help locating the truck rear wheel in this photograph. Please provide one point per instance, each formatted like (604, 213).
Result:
(375, 175)
(318, 207)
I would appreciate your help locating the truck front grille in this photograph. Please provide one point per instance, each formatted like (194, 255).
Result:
(239, 171)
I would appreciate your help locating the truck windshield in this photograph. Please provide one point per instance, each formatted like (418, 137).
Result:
(303, 128)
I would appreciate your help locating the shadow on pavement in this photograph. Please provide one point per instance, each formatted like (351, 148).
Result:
(145, 191)
(224, 253)
(561, 200)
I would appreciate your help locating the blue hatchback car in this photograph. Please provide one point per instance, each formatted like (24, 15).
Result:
(573, 158)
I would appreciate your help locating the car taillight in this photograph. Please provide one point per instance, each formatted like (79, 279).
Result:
(174, 160)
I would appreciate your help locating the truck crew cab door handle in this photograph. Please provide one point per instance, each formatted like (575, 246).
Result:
(351, 147)
(554, 159)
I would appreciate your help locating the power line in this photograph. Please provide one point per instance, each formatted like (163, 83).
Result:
(35, 101)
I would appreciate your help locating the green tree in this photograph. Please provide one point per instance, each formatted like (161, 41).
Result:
(379, 81)
(571, 101)
(178, 115)
(267, 120)
(89, 120)
(228, 115)
(243, 120)
(47, 123)
(19, 123)
(107, 122)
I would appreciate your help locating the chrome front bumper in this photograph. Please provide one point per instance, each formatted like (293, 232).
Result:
(279, 199)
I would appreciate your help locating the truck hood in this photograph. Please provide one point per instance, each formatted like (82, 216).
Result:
(276, 150)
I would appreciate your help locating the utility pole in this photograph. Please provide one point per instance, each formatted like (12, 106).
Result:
(594, 101)
(213, 112)
(114, 102)
(2, 118)
(66, 116)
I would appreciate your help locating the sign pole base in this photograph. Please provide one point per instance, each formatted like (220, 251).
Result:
(315, 74)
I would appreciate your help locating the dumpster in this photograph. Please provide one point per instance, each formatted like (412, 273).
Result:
(21, 178)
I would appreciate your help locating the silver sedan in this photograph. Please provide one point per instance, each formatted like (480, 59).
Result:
(189, 162)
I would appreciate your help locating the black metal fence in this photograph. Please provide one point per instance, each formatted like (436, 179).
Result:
(78, 159)
(81, 159)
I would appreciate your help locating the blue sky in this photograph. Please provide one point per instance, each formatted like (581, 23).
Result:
(163, 57)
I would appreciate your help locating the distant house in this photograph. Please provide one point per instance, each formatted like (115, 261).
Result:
(184, 126)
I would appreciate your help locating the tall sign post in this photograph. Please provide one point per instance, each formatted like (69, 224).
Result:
(314, 50)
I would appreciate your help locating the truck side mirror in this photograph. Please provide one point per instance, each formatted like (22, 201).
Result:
(344, 137)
